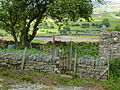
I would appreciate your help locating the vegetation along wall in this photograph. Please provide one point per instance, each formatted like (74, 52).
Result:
(82, 66)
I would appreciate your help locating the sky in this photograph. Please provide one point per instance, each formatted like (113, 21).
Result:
(110, 0)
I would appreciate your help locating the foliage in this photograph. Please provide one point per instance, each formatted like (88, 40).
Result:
(6, 74)
(2, 46)
(114, 80)
(83, 48)
(19, 16)
(115, 67)
(118, 14)
(27, 79)
(117, 27)
(106, 22)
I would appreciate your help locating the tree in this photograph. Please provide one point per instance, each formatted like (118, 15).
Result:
(118, 14)
(106, 22)
(22, 17)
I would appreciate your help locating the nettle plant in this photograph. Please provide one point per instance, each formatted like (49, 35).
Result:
(2, 43)
(117, 27)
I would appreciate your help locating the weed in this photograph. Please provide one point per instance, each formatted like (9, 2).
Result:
(7, 74)
(27, 79)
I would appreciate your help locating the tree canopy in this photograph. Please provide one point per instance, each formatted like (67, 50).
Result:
(22, 17)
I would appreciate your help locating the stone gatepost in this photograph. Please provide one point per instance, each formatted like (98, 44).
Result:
(109, 45)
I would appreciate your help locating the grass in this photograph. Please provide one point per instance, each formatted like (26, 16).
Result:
(12, 77)
(97, 19)
(85, 36)
(19, 77)
(2, 31)
(7, 38)
(44, 29)
(39, 41)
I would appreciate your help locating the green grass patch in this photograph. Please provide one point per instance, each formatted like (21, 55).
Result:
(27, 79)
(53, 80)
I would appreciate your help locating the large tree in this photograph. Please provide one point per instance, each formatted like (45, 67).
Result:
(22, 17)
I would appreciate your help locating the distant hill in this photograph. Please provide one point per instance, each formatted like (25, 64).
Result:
(109, 6)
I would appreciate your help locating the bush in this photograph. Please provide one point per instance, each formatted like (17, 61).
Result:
(114, 80)
(51, 27)
(118, 14)
(6, 74)
(27, 79)
(20, 47)
(75, 25)
(106, 22)
(67, 28)
(85, 25)
(117, 27)
(2, 46)
(115, 67)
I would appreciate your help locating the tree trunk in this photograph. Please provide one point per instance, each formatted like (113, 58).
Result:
(15, 39)
(59, 27)
(35, 29)
(13, 33)
(24, 39)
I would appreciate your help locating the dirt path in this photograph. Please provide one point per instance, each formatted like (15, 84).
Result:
(43, 87)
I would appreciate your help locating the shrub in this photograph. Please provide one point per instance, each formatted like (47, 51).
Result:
(27, 79)
(85, 25)
(114, 80)
(106, 22)
(93, 24)
(2, 46)
(6, 74)
(118, 14)
(21, 47)
(117, 27)
(75, 25)
(115, 67)
(51, 27)
(66, 28)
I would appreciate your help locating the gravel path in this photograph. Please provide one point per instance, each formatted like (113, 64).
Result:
(43, 87)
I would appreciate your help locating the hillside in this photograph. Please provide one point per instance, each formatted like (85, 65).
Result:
(109, 6)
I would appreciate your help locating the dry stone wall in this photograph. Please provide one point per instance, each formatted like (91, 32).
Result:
(89, 67)
(85, 67)
(34, 63)
(109, 45)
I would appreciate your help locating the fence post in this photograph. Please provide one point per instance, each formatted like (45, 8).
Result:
(70, 60)
(108, 67)
(43, 47)
(23, 58)
(75, 62)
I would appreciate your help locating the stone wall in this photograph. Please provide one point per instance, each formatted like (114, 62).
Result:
(91, 68)
(86, 66)
(34, 63)
(109, 45)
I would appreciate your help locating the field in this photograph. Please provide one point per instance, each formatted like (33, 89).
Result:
(49, 28)
(77, 26)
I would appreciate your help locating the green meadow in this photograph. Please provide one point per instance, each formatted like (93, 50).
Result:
(49, 28)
